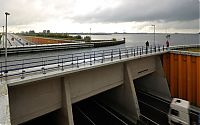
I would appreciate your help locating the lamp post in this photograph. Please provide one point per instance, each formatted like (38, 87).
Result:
(154, 26)
(3, 36)
(6, 13)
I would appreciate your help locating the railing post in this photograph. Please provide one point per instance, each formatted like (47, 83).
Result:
(77, 62)
(58, 62)
(84, 58)
(102, 56)
(94, 57)
(43, 68)
(155, 48)
(137, 50)
(140, 51)
(127, 52)
(62, 65)
(72, 60)
(23, 71)
(134, 52)
(90, 60)
(112, 55)
(120, 56)
(163, 48)
(151, 49)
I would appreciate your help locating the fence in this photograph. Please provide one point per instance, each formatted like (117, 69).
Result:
(23, 67)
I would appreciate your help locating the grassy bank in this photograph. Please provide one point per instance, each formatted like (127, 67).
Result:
(64, 36)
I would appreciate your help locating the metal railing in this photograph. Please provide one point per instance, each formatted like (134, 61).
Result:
(24, 67)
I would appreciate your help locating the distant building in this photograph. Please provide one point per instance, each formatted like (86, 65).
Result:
(44, 31)
(31, 32)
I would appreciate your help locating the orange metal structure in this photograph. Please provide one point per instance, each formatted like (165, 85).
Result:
(182, 72)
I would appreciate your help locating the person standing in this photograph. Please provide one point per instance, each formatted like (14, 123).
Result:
(147, 46)
(167, 44)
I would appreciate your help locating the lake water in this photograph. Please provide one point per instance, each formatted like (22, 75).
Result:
(140, 39)
(132, 40)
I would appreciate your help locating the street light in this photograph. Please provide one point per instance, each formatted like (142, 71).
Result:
(154, 26)
(6, 13)
(3, 36)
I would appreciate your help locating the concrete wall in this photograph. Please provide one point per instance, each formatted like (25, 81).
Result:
(33, 99)
(154, 83)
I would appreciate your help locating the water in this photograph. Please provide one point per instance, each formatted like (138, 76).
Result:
(132, 40)
(140, 39)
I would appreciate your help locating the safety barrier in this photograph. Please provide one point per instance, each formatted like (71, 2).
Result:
(24, 67)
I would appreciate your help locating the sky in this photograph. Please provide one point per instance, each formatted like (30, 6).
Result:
(169, 16)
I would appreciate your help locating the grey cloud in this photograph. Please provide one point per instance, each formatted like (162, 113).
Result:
(25, 12)
(146, 10)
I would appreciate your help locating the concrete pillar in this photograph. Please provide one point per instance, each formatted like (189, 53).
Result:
(123, 98)
(130, 89)
(66, 110)
(4, 105)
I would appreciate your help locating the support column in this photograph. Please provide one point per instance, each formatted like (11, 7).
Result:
(128, 81)
(67, 115)
(123, 98)
(4, 105)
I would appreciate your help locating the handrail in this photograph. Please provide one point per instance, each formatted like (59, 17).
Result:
(22, 67)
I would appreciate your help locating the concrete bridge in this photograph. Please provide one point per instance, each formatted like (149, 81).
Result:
(34, 87)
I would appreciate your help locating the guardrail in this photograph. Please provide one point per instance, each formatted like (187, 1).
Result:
(24, 67)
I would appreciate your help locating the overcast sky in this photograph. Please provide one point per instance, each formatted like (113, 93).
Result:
(101, 15)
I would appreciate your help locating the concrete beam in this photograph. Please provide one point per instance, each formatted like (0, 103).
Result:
(34, 99)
